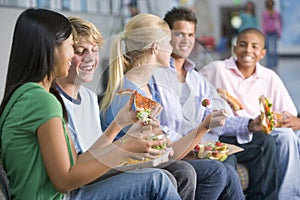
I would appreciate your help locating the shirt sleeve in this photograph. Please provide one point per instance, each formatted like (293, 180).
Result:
(46, 106)
(238, 126)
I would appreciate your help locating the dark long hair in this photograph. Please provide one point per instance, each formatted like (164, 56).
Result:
(37, 32)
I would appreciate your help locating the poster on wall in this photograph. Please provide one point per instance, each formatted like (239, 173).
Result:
(290, 22)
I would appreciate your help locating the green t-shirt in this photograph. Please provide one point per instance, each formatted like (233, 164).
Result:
(28, 108)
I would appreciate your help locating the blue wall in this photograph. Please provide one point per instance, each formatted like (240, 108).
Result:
(290, 22)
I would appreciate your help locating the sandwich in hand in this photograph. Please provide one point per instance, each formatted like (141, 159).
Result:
(267, 115)
(235, 104)
(143, 105)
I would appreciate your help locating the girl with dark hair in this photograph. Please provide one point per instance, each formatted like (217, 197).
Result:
(36, 149)
(248, 17)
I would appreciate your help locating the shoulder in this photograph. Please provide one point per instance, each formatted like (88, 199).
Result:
(37, 96)
(214, 66)
(268, 73)
(34, 106)
(86, 92)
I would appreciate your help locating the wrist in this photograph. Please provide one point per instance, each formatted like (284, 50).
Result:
(249, 125)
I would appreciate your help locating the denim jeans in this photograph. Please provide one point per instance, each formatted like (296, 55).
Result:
(260, 157)
(216, 180)
(138, 184)
(185, 177)
(272, 52)
(288, 158)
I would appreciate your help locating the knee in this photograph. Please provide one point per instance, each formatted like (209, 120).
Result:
(184, 169)
(284, 135)
(267, 142)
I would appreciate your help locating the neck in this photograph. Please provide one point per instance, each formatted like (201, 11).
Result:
(247, 72)
(181, 72)
(46, 84)
(70, 89)
(140, 75)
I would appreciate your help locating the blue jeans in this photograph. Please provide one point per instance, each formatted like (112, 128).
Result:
(272, 53)
(137, 184)
(216, 180)
(185, 177)
(288, 159)
(260, 157)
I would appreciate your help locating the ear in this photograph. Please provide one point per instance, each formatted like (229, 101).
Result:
(154, 48)
(263, 53)
(234, 49)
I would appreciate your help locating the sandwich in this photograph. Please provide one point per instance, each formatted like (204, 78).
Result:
(142, 105)
(235, 104)
(213, 151)
(266, 114)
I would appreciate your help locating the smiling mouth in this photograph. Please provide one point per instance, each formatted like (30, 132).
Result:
(87, 68)
(247, 58)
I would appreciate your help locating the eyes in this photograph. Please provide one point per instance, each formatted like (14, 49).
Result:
(244, 45)
(81, 50)
(180, 34)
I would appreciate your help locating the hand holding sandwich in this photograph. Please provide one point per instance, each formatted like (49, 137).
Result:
(290, 121)
(254, 125)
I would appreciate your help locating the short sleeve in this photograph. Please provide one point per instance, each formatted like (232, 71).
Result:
(40, 106)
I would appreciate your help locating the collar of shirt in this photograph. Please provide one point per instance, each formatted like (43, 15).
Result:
(231, 65)
(188, 64)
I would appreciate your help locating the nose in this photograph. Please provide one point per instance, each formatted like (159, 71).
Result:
(89, 57)
(248, 48)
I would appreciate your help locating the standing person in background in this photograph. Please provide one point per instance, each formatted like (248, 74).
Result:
(36, 150)
(248, 16)
(133, 7)
(271, 28)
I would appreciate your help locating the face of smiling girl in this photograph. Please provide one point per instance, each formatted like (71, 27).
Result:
(84, 62)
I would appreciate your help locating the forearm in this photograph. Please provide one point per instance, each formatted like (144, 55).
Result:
(109, 134)
(88, 166)
(104, 153)
(185, 144)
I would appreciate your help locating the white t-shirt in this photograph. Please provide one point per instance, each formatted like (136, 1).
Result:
(83, 118)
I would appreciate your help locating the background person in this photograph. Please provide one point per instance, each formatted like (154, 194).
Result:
(248, 16)
(271, 27)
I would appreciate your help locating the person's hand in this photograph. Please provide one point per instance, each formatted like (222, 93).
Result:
(215, 119)
(155, 111)
(255, 125)
(141, 147)
(145, 130)
(126, 115)
(290, 121)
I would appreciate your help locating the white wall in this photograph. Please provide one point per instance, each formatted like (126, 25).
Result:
(8, 16)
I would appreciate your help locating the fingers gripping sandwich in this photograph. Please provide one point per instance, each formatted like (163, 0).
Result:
(143, 105)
